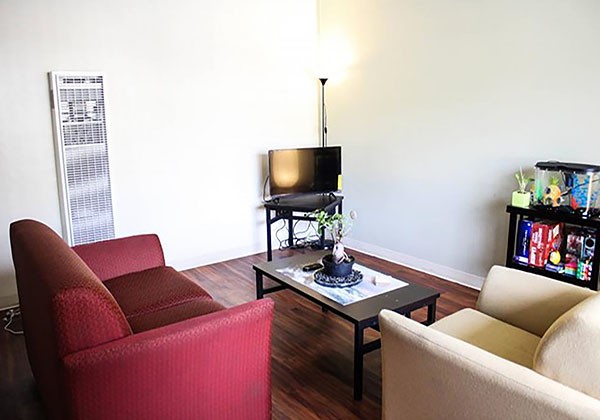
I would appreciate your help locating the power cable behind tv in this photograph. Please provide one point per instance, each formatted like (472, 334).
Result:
(264, 191)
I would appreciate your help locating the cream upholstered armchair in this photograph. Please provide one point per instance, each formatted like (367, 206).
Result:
(531, 350)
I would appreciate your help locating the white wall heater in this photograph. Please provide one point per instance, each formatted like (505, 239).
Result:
(77, 101)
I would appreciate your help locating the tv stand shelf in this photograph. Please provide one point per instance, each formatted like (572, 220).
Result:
(285, 208)
(536, 214)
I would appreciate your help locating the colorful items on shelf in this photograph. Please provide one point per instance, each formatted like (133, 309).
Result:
(573, 253)
(545, 238)
(568, 185)
(540, 244)
(554, 257)
(584, 271)
(523, 241)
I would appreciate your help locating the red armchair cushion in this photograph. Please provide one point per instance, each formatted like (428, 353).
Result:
(173, 314)
(152, 290)
(116, 257)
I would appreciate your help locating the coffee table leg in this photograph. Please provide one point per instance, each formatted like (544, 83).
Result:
(358, 361)
(431, 312)
(259, 285)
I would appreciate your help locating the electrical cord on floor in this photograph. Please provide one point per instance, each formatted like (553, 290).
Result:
(9, 317)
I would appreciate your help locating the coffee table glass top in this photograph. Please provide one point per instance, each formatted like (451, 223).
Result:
(406, 297)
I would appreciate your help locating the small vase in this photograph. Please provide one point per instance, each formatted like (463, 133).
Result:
(521, 199)
(342, 269)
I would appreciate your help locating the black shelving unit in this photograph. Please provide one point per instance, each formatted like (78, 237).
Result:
(556, 215)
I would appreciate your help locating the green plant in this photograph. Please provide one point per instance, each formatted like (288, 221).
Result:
(339, 226)
(522, 180)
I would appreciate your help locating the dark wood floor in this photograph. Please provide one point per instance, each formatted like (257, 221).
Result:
(312, 350)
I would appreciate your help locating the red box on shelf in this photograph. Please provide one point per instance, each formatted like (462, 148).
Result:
(537, 246)
(545, 238)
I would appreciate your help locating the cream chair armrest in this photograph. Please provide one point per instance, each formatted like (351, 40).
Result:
(528, 301)
(430, 375)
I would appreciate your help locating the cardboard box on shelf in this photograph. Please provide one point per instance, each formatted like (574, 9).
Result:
(545, 238)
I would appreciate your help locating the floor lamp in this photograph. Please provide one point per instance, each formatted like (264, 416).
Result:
(323, 114)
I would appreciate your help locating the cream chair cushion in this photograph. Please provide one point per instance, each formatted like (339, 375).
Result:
(487, 333)
(569, 352)
(527, 301)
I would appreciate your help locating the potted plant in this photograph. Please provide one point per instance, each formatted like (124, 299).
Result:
(521, 197)
(338, 263)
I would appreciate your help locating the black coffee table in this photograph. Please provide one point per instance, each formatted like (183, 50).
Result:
(362, 314)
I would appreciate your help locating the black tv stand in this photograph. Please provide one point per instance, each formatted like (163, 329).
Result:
(286, 207)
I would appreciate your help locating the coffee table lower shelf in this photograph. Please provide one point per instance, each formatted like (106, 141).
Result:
(417, 299)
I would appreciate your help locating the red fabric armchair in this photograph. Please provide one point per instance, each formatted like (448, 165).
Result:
(112, 333)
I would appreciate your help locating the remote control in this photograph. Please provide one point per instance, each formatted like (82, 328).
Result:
(312, 267)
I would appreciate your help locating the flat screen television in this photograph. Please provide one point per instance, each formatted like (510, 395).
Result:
(303, 171)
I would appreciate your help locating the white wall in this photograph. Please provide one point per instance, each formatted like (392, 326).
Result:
(442, 102)
(196, 93)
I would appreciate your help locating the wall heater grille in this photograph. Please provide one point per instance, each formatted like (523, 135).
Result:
(82, 156)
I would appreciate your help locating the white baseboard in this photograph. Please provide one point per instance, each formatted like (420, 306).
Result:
(447, 273)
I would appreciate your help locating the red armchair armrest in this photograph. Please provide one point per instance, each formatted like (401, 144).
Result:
(216, 366)
(116, 257)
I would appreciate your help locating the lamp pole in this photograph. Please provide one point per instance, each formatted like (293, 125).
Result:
(323, 113)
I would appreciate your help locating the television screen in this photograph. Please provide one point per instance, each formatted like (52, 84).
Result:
(300, 171)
